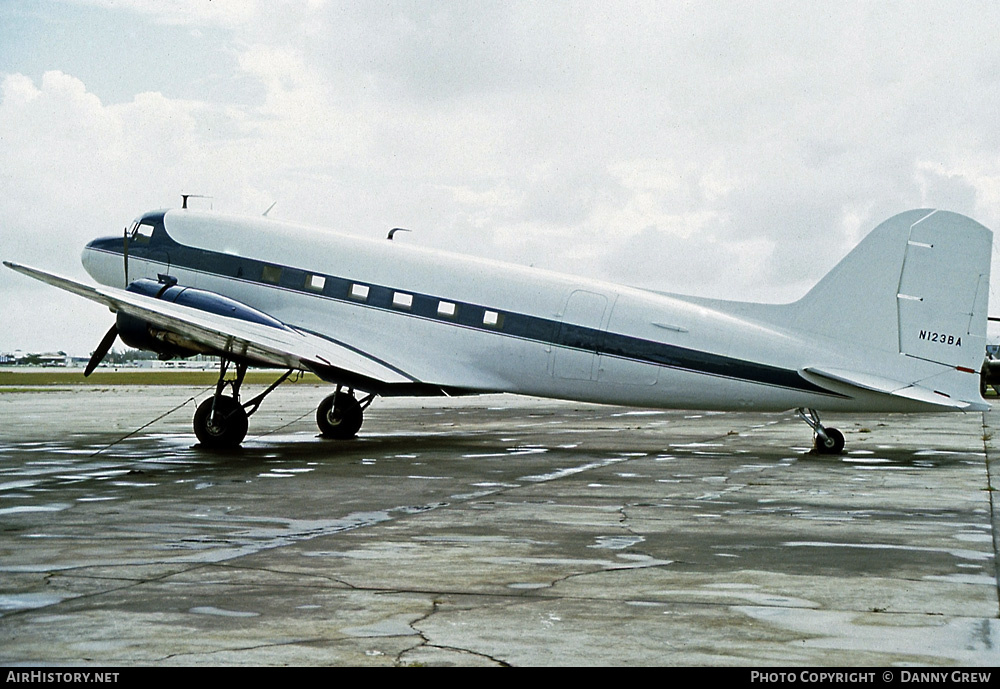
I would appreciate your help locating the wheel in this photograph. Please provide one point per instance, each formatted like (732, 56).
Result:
(834, 444)
(225, 429)
(339, 416)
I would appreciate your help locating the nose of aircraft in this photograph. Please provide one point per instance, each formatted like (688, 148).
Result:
(103, 260)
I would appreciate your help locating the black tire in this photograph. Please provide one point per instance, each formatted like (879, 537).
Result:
(339, 416)
(226, 430)
(834, 444)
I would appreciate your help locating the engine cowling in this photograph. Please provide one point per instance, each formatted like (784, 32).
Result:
(141, 334)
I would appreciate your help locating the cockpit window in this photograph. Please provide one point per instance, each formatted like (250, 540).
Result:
(142, 233)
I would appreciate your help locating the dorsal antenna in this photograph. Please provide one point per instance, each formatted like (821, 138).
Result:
(185, 197)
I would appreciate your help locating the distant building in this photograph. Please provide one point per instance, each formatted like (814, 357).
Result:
(21, 358)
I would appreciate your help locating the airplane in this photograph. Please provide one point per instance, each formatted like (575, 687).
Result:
(898, 325)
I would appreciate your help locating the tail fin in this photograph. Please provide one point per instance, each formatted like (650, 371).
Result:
(918, 285)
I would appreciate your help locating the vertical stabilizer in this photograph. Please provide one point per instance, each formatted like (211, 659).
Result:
(918, 285)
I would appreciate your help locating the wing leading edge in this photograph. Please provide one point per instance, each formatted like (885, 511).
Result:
(285, 347)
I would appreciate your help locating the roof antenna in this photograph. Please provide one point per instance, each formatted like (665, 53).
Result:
(269, 209)
(395, 230)
(185, 197)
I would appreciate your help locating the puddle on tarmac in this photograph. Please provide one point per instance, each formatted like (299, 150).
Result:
(963, 640)
(616, 542)
(14, 485)
(209, 610)
(974, 579)
(11, 602)
(510, 452)
(22, 509)
(974, 537)
(749, 593)
(946, 453)
(958, 553)
(569, 471)
(623, 561)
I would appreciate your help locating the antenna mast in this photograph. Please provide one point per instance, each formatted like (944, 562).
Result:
(185, 197)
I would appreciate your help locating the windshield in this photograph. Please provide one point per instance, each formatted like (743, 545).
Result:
(141, 232)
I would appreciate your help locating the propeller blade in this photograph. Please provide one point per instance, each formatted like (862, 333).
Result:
(102, 350)
(125, 254)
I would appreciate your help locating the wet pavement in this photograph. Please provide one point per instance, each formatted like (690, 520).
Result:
(490, 531)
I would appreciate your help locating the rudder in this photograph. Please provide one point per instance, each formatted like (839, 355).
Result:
(944, 290)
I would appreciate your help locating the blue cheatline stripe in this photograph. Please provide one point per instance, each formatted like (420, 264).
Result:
(522, 326)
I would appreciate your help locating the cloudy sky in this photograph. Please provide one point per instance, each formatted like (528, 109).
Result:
(728, 149)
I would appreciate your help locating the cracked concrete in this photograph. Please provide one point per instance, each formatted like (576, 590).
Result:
(491, 531)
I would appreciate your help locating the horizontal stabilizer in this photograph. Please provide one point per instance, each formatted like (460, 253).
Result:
(896, 388)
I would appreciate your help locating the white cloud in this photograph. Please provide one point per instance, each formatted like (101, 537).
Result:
(226, 13)
(749, 146)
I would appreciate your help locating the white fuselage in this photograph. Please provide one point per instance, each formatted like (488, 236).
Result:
(481, 326)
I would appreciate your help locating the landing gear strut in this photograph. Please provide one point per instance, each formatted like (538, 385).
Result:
(340, 415)
(221, 421)
(828, 441)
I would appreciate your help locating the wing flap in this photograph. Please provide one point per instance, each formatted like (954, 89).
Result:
(284, 347)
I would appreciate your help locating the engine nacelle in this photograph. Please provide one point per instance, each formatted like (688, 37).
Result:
(140, 334)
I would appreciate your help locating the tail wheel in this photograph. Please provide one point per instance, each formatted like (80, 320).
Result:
(339, 416)
(833, 445)
(225, 428)
(826, 441)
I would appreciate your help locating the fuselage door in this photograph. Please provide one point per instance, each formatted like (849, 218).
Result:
(574, 355)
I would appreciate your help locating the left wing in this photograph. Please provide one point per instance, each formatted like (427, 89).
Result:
(284, 346)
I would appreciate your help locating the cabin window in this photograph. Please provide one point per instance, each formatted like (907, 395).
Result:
(492, 319)
(316, 283)
(402, 300)
(446, 309)
(271, 274)
(359, 292)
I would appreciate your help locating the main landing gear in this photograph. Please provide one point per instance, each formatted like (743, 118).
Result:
(340, 415)
(221, 421)
(828, 441)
